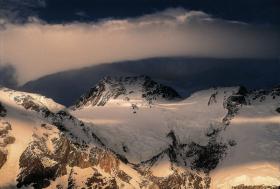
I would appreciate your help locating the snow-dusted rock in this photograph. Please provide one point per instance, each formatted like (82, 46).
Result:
(141, 89)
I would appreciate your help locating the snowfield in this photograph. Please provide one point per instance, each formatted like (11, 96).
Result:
(255, 160)
(144, 133)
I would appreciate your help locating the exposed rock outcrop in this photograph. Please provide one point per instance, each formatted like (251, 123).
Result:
(47, 157)
(5, 139)
(212, 99)
(233, 103)
(197, 161)
(3, 156)
(3, 111)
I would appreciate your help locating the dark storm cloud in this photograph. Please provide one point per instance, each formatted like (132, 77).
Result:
(263, 12)
(19, 10)
(8, 76)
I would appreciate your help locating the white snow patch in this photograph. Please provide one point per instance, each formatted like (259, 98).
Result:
(162, 168)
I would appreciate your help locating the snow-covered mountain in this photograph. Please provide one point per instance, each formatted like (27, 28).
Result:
(135, 89)
(229, 134)
(43, 146)
(132, 132)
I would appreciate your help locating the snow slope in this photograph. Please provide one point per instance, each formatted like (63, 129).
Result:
(255, 160)
(144, 133)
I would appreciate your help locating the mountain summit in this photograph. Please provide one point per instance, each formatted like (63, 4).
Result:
(136, 89)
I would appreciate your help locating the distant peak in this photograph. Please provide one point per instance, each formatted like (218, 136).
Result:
(141, 88)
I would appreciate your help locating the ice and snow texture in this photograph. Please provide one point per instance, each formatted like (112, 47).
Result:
(143, 134)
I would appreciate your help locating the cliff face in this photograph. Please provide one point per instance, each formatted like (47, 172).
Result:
(51, 155)
(5, 137)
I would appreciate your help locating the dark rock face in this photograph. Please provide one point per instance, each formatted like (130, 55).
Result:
(114, 87)
(275, 92)
(9, 140)
(99, 181)
(39, 164)
(153, 90)
(5, 140)
(98, 96)
(5, 127)
(206, 157)
(124, 177)
(242, 91)
(261, 95)
(201, 159)
(244, 97)
(212, 99)
(181, 180)
(93, 95)
(29, 103)
(3, 111)
(233, 104)
(3, 157)
(173, 138)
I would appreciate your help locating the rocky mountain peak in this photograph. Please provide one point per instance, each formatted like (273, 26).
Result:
(129, 88)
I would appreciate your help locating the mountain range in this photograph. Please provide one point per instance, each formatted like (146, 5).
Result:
(134, 132)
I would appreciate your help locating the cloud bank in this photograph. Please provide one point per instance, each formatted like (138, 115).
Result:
(37, 48)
